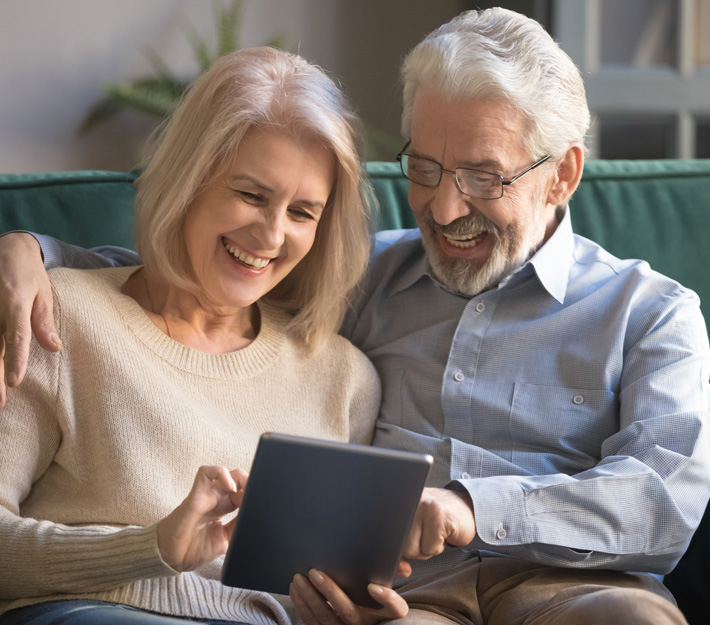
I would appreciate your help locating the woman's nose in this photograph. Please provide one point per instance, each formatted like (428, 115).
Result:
(271, 230)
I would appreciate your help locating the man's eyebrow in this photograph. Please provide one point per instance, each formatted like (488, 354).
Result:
(487, 165)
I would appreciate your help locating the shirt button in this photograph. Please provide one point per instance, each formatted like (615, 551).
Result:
(459, 376)
(578, 399)
(465, 476)
(501, 533)
(480, 307)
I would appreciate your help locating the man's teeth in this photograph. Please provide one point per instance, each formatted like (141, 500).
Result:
(247, 259)
(465, 240)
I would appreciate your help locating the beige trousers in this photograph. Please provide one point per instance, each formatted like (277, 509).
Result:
(503, 591)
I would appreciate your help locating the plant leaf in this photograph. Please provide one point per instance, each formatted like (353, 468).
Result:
(159, 65)
(98, 113)
(280, 42)
(199, 46)
(228, 19)
(154, 96)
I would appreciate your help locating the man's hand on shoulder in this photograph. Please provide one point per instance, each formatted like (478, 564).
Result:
(25, 307)
(443, 517)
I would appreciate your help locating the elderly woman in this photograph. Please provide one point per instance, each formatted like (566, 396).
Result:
(252, 225)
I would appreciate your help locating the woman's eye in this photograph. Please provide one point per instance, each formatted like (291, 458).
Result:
(302, 215)
(250, 198)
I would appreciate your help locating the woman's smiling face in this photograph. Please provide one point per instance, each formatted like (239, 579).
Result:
(247, 230)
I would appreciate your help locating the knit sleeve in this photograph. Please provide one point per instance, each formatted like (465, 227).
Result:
(42, 557)
(365, 399)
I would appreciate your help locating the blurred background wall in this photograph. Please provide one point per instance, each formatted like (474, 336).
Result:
(56, 55)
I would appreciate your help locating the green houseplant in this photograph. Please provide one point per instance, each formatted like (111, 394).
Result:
(159, 94)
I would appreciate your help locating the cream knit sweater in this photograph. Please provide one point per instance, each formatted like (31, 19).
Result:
(104, 439)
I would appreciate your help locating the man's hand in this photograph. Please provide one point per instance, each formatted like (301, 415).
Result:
(443, 517)
(25, 307)
(194, 533)
(320, 601)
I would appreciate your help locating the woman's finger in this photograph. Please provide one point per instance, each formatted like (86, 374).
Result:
(314, 608)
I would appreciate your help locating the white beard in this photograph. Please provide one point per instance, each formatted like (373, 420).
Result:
(511, 250)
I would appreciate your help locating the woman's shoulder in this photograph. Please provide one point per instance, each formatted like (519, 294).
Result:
(67, 281)
(81, 292)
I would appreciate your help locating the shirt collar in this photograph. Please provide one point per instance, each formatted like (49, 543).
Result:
(552, 261)
(551, 264)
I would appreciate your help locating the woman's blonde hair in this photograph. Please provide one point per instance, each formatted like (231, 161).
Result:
(271, 90)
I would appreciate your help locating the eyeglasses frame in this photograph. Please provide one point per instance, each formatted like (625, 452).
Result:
(503, 181)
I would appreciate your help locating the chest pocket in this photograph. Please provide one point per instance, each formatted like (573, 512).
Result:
(568, 423)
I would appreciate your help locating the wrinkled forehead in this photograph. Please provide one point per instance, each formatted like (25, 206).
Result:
(466, 129)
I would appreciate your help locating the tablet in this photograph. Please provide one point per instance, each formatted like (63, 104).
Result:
(344, 509)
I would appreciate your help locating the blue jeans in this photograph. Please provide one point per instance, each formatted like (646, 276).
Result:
(85, 612)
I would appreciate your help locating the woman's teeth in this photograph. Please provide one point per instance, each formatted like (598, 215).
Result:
(465, 240)
(247, 259)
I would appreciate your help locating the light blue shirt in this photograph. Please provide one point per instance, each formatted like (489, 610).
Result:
(571, 402)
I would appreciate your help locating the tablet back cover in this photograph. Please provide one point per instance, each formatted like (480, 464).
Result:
(343, 509)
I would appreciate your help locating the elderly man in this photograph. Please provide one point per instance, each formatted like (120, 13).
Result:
(563, 392)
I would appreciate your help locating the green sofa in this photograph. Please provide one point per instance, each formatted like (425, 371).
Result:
(654, 210)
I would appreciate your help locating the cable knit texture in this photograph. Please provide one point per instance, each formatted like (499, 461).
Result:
(104, 439)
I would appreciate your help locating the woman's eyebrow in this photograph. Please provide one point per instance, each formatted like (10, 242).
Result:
(248, 178)
(267, 189)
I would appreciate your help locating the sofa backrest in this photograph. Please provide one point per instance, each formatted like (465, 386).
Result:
(654, 210)
(86, 208)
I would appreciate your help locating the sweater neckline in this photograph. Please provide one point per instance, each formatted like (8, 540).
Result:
(249, 361)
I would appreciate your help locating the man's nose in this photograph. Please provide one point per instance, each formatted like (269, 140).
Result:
(448, 203)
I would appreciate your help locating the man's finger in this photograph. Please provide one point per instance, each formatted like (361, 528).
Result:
(42, 323)
(17, 347)
(3, 390)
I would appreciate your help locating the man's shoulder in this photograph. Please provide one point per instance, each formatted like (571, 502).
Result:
(393, 241)
(392, 250)
(635, 279)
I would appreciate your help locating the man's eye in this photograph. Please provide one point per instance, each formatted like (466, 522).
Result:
(480, 177)
(422, 167)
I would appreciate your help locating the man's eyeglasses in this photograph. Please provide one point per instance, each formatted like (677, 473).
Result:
(475, 183)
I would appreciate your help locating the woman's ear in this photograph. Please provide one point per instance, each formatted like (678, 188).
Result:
(567, 176)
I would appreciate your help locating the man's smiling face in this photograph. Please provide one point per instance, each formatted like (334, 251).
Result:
(473, 243)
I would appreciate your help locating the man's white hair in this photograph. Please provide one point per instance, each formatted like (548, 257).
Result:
(498, 54)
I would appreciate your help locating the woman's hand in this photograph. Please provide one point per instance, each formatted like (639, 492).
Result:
(320, 601)
(194, 533)
(25, 307)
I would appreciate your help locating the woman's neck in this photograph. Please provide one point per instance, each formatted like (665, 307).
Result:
(189, 319)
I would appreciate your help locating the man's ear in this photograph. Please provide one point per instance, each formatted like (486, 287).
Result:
(567, 176)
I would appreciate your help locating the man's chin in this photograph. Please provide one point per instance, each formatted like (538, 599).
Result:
(466, 276)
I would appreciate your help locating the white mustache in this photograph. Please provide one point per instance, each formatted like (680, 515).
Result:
(475, 222)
